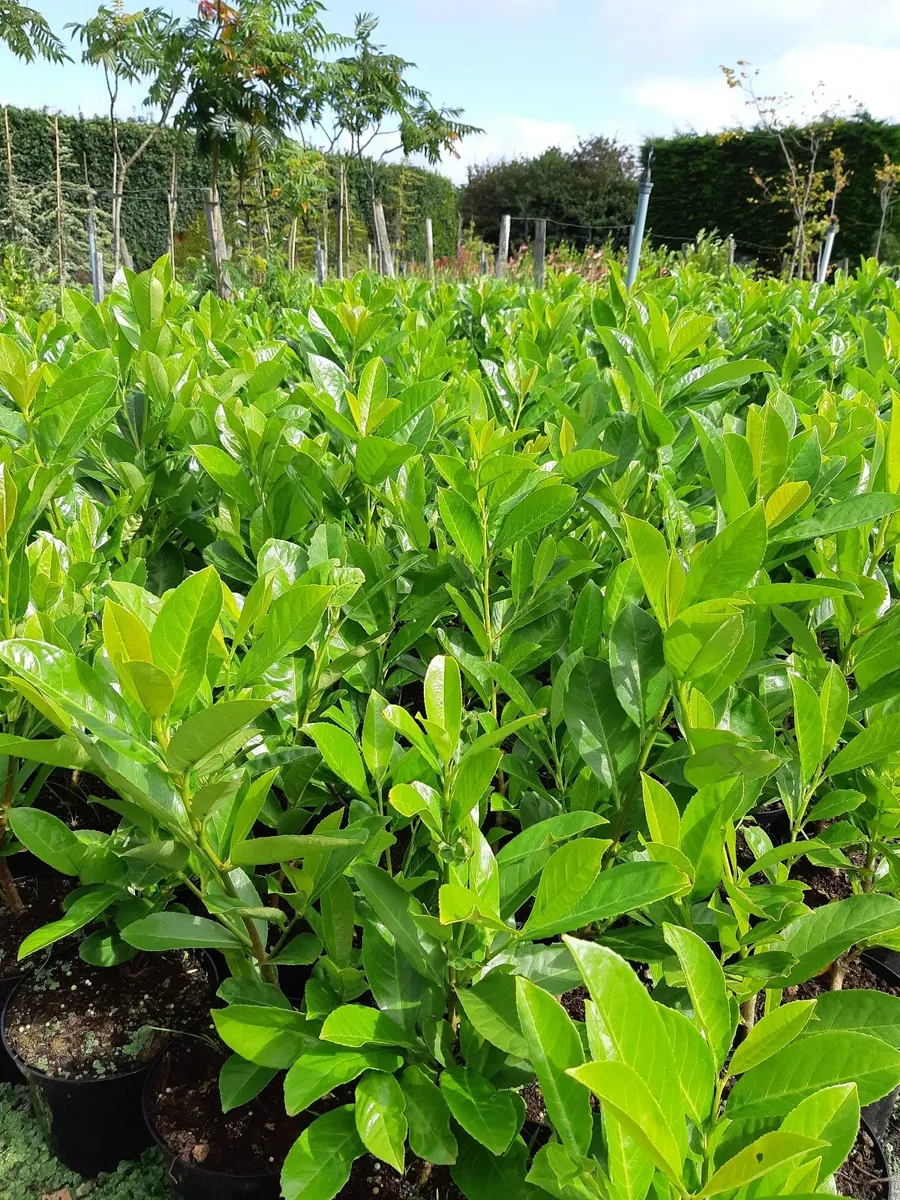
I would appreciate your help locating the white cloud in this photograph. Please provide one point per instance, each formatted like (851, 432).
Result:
(839, 75)
(509, 137)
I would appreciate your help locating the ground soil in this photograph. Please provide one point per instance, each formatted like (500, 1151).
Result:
(75, 1021)
(42, 896)
(863, 1175)
(67, 794)
(421, 1181)
(858, 975)
(186, 1113)
(573, 1002)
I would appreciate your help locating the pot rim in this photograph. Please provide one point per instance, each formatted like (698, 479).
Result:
(28, 1070)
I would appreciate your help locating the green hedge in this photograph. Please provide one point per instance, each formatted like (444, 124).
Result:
(702, 182)
(409, 193)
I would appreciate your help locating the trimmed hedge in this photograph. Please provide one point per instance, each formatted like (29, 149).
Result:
(702, 182)
(409, 193)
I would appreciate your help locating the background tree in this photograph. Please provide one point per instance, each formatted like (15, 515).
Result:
(130, 47)
(26, 32)
(367, 102)
(593, 186)
(887, 176)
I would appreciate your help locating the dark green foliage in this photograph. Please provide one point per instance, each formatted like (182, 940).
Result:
(28, 1169)
(591, 186)
(416, 192)
(705, 182)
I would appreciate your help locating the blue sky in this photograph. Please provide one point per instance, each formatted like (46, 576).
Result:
(535, 73)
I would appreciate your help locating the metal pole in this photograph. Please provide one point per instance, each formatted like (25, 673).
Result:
(825, 256)
(729, 247)
(97, 272)
(540, 251)
(429, 248)
(637, 230)
(92, 255)
(503, 248)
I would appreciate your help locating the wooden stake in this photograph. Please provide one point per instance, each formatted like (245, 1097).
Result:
(324, 238)
(172, 203)
(503, 248)
(98, 276)
(347, 216)
(369, 256)
(10, 177)
(387, 257)
(429, 248)
(729, 245)
(60, 232)
(212, 232)
(540, 251)
(292, 244)
(340, 222)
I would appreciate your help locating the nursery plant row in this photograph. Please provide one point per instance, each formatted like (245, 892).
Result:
(450, 735)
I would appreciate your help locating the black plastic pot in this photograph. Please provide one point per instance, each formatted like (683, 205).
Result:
(90, 1125)
(888, 1191)
(193, 1181)
(9, 1071)
(877, 1115)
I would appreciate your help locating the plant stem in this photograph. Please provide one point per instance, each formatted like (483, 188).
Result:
(7, 884)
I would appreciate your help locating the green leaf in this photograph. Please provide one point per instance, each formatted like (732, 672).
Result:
(181, 632)
(661, 811)
(553, 1047)
(490, 1005)
(323, 1067)
(269, 1036)
(693, 1063)
(822, 935)
(772, 1150)
(84, 909)
(626, 887)
(490, 1116)
(599, 727)
(286, 847)
(541, 507)
(355, 1025)
(319, 1162)
(871, 1012)
(230, 475)
(481, 1175)
(702, 639)
(73, 686)
(443, 696)
(705, 983)
(565, 881)
(377, 738)
(341, 755)
(290, 623)
(808, 727)
(729, 561)
(430, 1137)
(463, 524)
(877, 741)
(378, 458)
(150, 685)
(207, 730)
(52, 752)
(832, 1116)
(772, 1033)
(801, 591)
(396, 909)
(381, 1118)
(858, 510)
(622, 1092)
(179, 931)
(47, 837)
(241, 1081)
(808, 1065)
(637, 664)
(651, 557)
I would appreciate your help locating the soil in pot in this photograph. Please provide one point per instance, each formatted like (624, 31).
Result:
(865, 1175)
(84, 1037)
(211, 1155)
(374, 1180)
(73, 1021)
(41, 898)
(68, 795)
